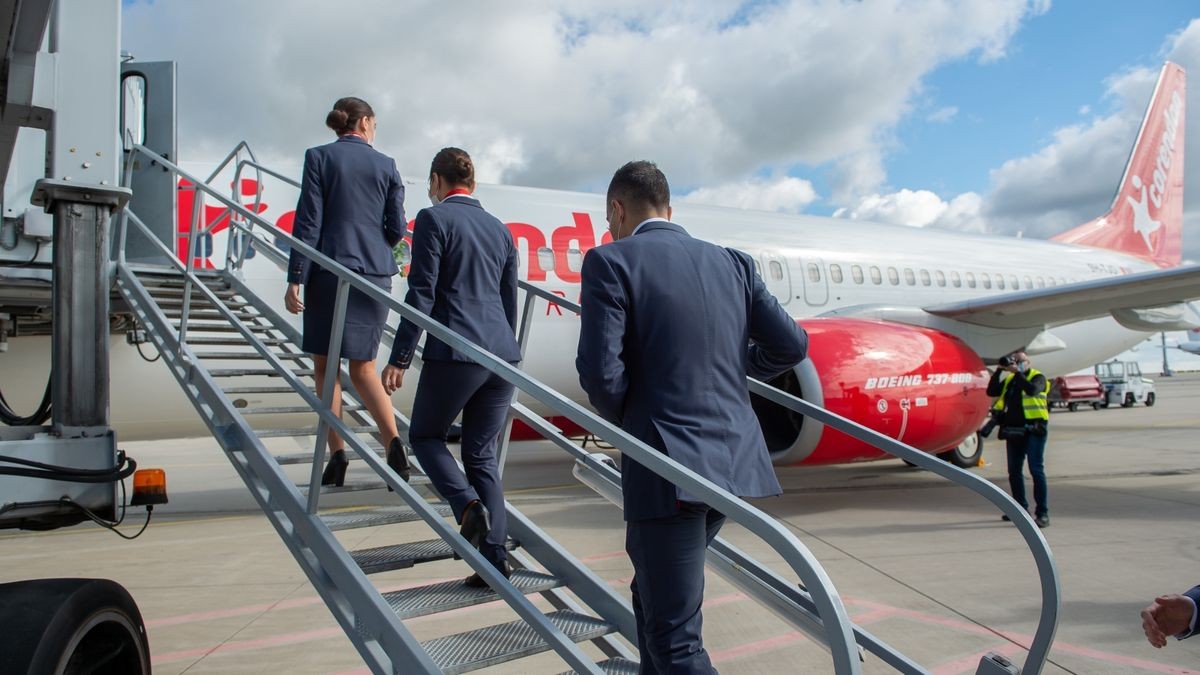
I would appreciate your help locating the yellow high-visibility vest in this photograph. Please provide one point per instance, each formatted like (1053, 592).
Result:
(1035, 406)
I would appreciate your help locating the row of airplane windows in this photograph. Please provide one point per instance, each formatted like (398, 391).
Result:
(925, 278)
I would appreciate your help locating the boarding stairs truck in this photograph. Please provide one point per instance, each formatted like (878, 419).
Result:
(222, 340)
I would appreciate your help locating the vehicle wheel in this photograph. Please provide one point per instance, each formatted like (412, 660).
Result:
(1149, 399)
(1073, 406)
(1129, 401)
(72, 626)
(967, 454)
(1096, 405)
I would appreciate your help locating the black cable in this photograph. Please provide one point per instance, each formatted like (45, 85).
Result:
(138, 346)
(124, 469)
(37, 250)
(106, 524)
(38, 417)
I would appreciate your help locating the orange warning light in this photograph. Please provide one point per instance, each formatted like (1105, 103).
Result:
(149, 487)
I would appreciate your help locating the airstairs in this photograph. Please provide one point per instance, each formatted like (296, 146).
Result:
(224, 343)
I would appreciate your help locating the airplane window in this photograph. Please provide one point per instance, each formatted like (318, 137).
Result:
(925, 278)
(814, 273)
(758, 268)
(876, 276)
(940, 276)
(856, 272)
(970, 280)
(1064, 281)
(776, 270)
(835, 273)
(574, 259)
(955, 279)
(986, 279)
(893, 276)
(1041, 283)
(1012, 281)
(1051, 282)
(1028, 282)
(545, 258)
(909, 277)
(1000, 281)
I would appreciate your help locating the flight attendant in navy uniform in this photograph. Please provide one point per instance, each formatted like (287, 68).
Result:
(464, 276)
(351, 209)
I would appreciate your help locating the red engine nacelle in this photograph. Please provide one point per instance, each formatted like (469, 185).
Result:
(919, 386)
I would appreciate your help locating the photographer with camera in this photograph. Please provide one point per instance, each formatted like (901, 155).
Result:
(1024, 417)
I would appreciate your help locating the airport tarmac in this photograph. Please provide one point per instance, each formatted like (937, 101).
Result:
(924, 565)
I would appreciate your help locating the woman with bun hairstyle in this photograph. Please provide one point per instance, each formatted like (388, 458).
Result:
(351, 209)
(464, 276)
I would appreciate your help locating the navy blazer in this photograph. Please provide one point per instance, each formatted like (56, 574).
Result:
(1194, 594)
(464, 276)
(671, 328)
(351, 208)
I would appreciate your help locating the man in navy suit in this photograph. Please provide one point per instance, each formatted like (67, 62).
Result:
(1171, 615)
(671, 327)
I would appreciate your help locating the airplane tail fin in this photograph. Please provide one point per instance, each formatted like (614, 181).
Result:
(1146, 218)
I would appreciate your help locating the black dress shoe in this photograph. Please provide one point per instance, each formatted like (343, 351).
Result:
(475, 523)
(476, 581)
(1042, 521)
(335, 469)
(397, 459)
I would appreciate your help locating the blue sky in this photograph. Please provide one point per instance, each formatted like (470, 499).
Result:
(1055, 66)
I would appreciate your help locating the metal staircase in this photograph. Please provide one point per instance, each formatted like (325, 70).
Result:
(221, 341)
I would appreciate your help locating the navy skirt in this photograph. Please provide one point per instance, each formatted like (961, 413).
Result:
(365, 318)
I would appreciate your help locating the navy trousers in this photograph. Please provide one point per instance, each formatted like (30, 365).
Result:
(1031, 447)
(668, 588)
(446, 389)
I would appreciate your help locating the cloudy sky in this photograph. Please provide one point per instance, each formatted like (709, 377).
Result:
(999, 116)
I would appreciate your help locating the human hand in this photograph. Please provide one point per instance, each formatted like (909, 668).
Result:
(1167, 615)
(392, 378)
(291, 299)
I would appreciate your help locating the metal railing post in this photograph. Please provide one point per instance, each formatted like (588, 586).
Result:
(197, 211)
(333, 360)
(523, 343)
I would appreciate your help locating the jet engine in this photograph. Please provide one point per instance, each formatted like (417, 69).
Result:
(916, 385)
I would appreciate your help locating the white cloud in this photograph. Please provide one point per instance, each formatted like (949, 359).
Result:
(943, 115)
(918, 208)
(557, 93)
(786, 194)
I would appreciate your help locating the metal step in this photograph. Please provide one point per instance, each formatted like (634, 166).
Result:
(361, 486)
(206, 314)
(221, 328)
(176, 304)
(293, 409)
(306, 457)
(307, 431)
(232, 341)
(258, 390)
(248, 356)
(404, 556)
(435, 598)
(617, 666)
(387, 515)
(256, 372)
(472, 650)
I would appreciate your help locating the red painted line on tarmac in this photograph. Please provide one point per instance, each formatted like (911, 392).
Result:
(786, 639)
(1024, 640)
(247, 645)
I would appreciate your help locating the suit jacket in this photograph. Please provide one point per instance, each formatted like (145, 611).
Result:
(351, 208)
(1194, 594)
(464, 276)
(671, 327)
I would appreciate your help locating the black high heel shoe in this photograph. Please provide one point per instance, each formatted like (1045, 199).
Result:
(397, 459)
(335, 469)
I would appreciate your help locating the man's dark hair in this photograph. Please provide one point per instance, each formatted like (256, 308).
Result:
(640, 182)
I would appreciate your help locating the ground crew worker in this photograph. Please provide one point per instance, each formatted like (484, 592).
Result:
(1022, 398)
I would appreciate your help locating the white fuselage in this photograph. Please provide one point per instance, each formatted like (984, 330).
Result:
(813, 265)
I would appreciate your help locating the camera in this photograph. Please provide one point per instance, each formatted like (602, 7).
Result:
(1005, 361)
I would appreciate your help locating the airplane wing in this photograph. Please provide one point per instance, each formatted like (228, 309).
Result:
(1149, 301)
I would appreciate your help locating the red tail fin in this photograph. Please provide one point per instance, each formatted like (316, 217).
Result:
(1146, 218)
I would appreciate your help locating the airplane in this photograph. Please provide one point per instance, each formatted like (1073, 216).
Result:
(902, 322)
(1192, 345)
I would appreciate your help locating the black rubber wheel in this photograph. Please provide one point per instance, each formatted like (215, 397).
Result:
(1096, 405)
(1073, 406)
(73, 627)
(966, 454)
(1129, 401)
(1149, 399)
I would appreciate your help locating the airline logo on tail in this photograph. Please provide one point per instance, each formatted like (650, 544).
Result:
(1143, 223)
(1146, 218)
